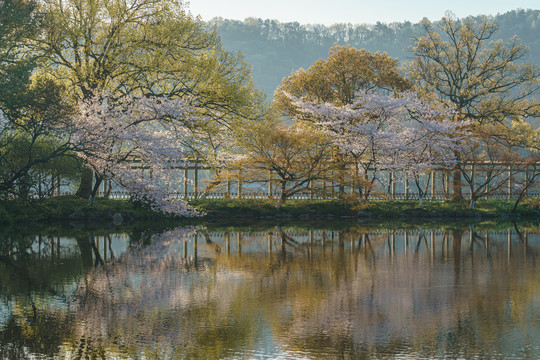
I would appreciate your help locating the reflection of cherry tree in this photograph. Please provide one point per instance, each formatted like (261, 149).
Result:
(380, 132)
(327, 296)
(122, 307)
(148, 130)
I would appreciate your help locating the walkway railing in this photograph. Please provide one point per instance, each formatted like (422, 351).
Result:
(310, 196)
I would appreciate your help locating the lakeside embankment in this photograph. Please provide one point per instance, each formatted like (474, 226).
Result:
(70, 208)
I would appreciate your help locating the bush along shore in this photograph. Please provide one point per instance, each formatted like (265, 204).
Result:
(70, 208)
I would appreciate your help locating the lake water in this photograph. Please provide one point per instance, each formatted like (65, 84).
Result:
(272, 292)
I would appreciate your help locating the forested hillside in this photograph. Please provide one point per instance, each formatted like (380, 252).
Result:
(275, 49)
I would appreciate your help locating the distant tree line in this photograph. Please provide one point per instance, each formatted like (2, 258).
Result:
(275, 49)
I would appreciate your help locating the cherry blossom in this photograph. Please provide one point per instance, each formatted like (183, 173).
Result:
(390, 133)
(138, 143)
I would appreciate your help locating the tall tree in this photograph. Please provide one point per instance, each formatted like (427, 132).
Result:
(123, 48)
(487, 83)
(18, 25)
(337, 81)
(32, 131)
(32, 109)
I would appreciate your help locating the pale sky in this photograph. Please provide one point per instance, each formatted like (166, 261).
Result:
(351, 11)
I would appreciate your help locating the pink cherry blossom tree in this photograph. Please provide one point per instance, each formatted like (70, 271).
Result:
(139, 144)
(384, 133)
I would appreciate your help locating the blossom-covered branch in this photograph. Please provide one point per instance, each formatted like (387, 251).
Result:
(138, 143)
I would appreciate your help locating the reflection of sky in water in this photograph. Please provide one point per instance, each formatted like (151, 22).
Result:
(300, 294)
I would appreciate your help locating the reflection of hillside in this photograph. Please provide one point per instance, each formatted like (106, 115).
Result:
(194, 293)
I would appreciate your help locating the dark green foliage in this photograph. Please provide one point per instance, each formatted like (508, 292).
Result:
(18, 24)
(71, 208)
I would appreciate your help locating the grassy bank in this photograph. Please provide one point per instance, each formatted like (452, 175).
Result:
(69, 208)
(373, 209)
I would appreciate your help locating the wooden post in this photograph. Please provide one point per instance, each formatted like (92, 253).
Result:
(186, 183)
(432, 245)
(433, 185)
(509, 182)
(393, 179)
(444, 184)
(195, 182)
(509, 243)
(240, 183)
(406, 186)
(228, 194)
(270, 190)
(195, 241)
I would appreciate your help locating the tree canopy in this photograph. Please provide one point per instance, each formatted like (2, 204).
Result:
(486, 80)
(338, 78)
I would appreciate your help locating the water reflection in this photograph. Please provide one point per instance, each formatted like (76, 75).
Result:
(197, 292)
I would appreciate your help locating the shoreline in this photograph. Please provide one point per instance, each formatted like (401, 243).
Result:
(69, 208)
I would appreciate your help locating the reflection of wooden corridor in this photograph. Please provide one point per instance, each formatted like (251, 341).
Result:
(443, 244)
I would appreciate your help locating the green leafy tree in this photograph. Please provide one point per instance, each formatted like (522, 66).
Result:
(33, 132)
(338, 78)
(487, 82)
(31, 108)
(297, 155)
(147, 47)
(18, 26)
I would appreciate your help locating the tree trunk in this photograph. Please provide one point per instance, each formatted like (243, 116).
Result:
(94, 190)
(519, 198)
(85, 186)
(457, 193)
(282, 196)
